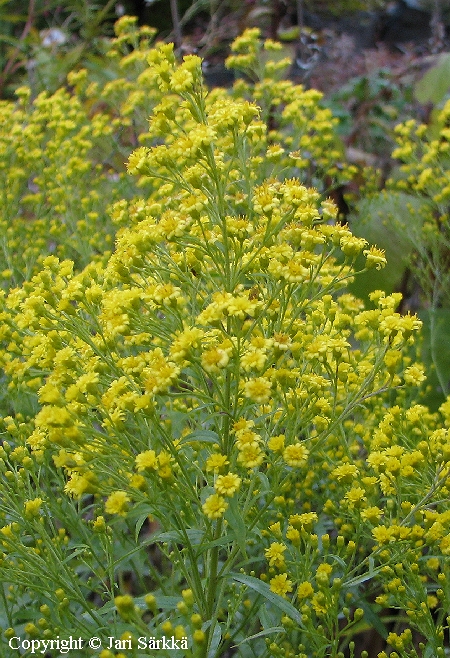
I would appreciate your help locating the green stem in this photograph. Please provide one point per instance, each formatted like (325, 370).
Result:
(434, 348)
(211, 592)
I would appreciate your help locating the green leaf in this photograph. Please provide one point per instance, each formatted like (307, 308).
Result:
(363, 578)
(264, 482)
(223, 541)
(78, 549)
(265, 591)
(430, 651)
(267, 631)
(338, 559)
(435, 84)
(167, 602)
(236, 522)
(216, 639)
(268, 616)
(436, 352)
(387, 220)
(11, 40)
(194, 536)
(290, 34)
(203, 436)
(139, 523)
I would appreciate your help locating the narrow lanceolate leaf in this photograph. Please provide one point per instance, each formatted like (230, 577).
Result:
(234, 518)
(265, 591)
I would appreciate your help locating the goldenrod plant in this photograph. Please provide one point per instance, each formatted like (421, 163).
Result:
(213, 447)
(301, 131)
(63, 154)
(62, 160)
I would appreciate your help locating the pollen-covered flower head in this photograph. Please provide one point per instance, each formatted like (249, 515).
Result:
(228, 484)
(296, 454)
(281, 585)
(117, 503)
(214, 507)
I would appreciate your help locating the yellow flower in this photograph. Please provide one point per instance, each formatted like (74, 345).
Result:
(319, 603)
(254, 360)
(227, 485)
(305, 590)
(198, 636)
(216, 462)
(99, 525)
(306, 520)
(275, 556)
(383, 535)
(258, 389)
(247, 438)
(444, 545)
(323, 573)
(81, 484)
(164, 465)
(214, 359)
(295, 455)
(117, 503)
(352, 246)
(355, 496)
(32, 507)
(276, 443)
(281, 341)
(243, 424)
(414, 375)
(214, 506)
(181, 80)
(250, 456)
(7, 531)
(375, 258)
(125, 606)
(137, 161)
(184, 342)
(52, 416)
(275, 529)
(147, 461)
(345, 472)
(371, 514)
(281, 585)
(293, 535)
(241, 306)
(137, 481)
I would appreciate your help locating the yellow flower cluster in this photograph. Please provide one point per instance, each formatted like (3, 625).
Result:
(425, 157)
(311, 150)
(158, 311)
(389, 494)
(62, 156)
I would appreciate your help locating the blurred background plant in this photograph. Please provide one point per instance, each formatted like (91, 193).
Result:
(41, 41)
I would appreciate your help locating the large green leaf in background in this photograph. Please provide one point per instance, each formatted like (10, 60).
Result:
(391, 220)
(388, 220)
(435, 84)
(435, 354)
